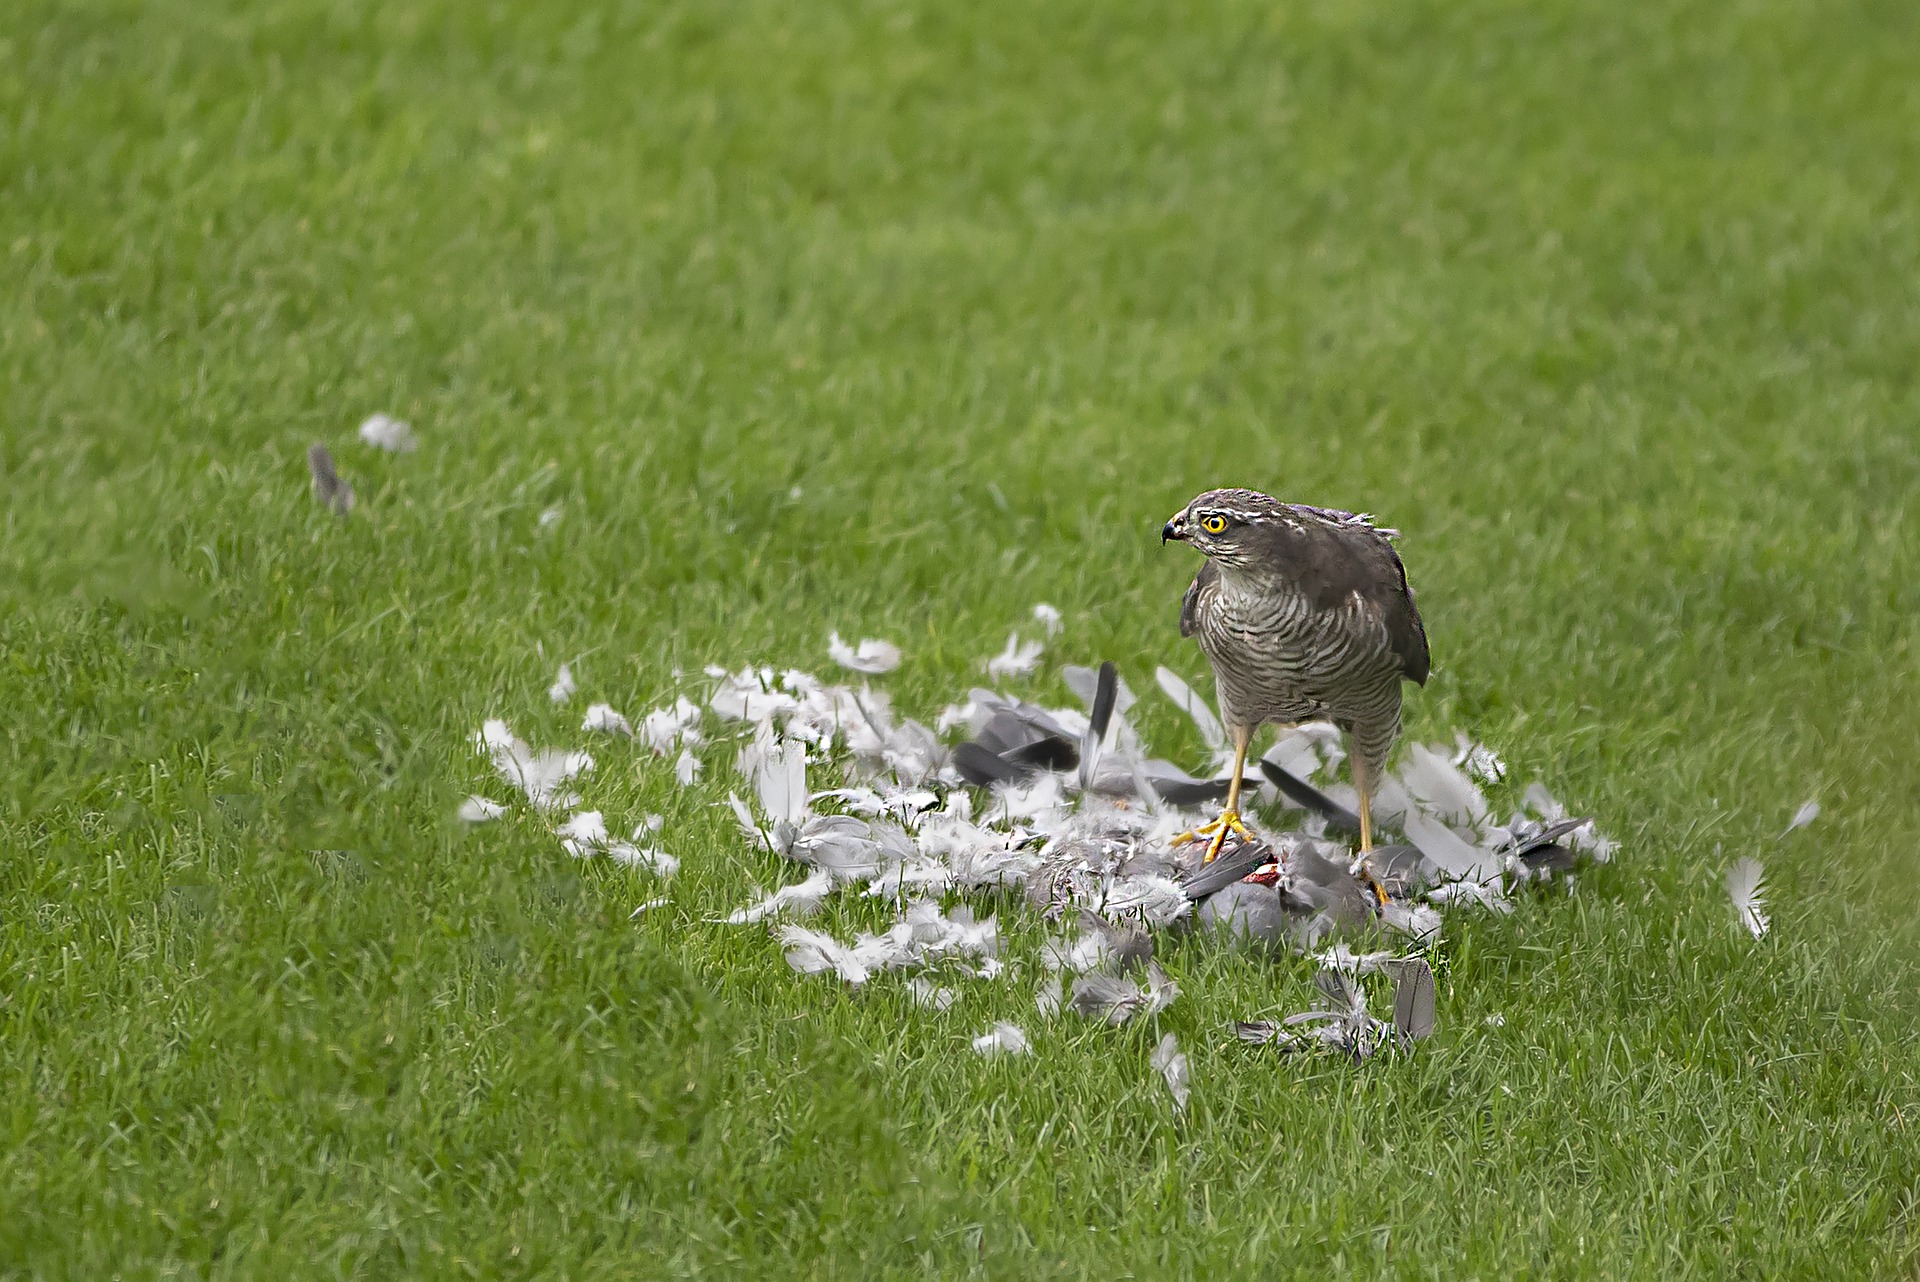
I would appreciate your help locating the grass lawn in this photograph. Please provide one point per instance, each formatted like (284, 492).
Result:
(895, 318)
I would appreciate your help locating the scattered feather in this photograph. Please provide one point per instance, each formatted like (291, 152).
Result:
(602, 719)
(1442, 788)
(1047, 617)
(870, 656)
(389, 434)
(478, 810)
(1342, 958)
(585, 834)
(1480, 762)
(1487, 894)
(1019, 659)
(1453, 855)
(1746, 886)
(802, 899)
(542, 776)
(812, 953)
(563, 685)
(1413, 1000)
(1189, 701)
(1807, 813)
(1112, 999)
(929, 995)
(629, 855)
(1003, 1039)
(751, 696)
(550, 517)
(687, 768)
(1156, 900)
(1171, 1063)
(648, 907)
(1420, 921)
(1079, 823)
(664, 729)
(332, 490)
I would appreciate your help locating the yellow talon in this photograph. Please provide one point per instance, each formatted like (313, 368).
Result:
(1229, 821)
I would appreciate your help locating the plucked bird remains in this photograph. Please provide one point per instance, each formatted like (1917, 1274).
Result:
(1073, 820)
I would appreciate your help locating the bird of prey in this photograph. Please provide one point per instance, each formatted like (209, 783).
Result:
(1306, 615)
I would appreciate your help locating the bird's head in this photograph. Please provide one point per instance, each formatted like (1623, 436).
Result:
(1222, 524)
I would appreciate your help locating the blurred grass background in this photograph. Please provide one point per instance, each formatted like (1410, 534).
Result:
(893, 319)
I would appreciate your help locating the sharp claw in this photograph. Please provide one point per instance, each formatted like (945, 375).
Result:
(1214, 848)
(1217, 830)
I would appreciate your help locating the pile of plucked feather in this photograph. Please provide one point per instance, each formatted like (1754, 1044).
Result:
(1006, 805)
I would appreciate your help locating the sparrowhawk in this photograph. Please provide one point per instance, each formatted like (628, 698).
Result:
(1305, 614)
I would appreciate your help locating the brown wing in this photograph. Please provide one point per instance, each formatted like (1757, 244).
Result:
(1406, 632)
(1333, 555)
(1190, 604)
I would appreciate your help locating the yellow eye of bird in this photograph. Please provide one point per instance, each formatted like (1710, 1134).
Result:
(1213, 524)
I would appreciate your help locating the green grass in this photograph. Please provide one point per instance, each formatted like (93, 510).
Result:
(895, 318)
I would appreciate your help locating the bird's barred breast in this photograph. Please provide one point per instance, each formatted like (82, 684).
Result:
(1276, 658)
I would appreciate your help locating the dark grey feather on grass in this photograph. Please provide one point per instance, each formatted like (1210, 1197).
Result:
(1343, 1024)
(334, 493)
(1303, 793)
(1116, 1000)
(1106, 690)
(1413, 1000)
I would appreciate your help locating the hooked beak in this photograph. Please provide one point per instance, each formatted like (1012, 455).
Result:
(1174, 529)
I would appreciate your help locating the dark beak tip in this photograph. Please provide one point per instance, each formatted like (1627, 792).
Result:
(1167, 532)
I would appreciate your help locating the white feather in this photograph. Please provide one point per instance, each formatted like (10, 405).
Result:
(1456, 857)
(870, 656)
(1442, 788)
(1479, 761)
(540, 775)
(1019, 659)
(478, 810)
(1047, 617)
(929, 994)
(629, 855)
(1171, 1063)
(1188, 700)
(1003, 1039)
(812, 953)
(563, 685)
(687, 768)
(748, 695)
(1807, 813)
(1747, 888)
(584, 834)
(664, 728)
(389, 434)
(1159, 901)
(802, 899)
(602, 719)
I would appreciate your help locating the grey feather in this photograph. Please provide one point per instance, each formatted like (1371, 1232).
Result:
(1305, 794)
(1413, 1000)
(334, 493)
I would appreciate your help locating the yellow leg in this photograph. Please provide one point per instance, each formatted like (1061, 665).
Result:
(1229, 820)
(1363, 784)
